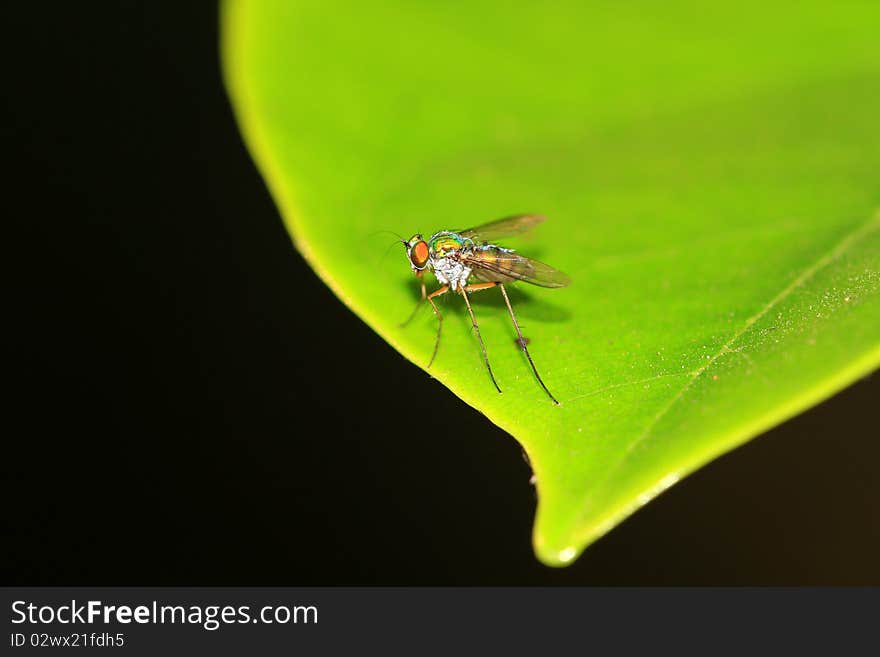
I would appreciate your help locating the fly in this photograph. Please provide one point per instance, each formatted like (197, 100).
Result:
(469, 261)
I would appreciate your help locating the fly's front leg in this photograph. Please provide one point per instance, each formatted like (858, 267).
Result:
(418, 303)
(430, 297)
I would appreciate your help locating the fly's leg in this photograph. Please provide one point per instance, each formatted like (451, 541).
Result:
(476, 287)
(522, 343)
(477, 328)
(430, 297)
(418, 304)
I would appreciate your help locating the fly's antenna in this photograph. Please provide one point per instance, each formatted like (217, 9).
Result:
(399, 240)
(391, 246)
(390, 232)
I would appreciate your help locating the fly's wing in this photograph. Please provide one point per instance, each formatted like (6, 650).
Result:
(502, 266)
(501, 228)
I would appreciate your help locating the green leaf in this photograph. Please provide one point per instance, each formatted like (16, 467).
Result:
(711, 174)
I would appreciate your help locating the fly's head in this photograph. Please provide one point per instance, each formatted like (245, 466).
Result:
(417, 253)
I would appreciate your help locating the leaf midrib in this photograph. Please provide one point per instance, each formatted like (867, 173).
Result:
(827, 259)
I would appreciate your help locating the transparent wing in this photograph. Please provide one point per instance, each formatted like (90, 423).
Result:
(495, 265)
(501, 228)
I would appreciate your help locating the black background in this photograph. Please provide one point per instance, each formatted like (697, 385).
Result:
(189, 403)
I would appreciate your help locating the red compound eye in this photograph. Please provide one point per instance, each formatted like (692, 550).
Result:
(419, 254)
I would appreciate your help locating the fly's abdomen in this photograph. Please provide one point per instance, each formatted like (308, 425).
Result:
(494, 264)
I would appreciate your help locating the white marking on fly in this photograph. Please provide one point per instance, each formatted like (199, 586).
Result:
(450, 271)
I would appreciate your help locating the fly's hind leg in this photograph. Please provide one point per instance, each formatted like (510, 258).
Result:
(476, 287)
(522, 343)
(430, 297)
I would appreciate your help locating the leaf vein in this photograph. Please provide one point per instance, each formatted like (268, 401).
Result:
(831, 256)
(624, 384)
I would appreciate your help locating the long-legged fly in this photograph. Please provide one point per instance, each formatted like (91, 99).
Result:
(469, 261)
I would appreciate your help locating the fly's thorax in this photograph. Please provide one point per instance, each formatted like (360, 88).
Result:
(446, 242)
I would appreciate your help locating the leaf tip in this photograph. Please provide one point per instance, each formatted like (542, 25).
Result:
(556, 551)
(557, 557)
